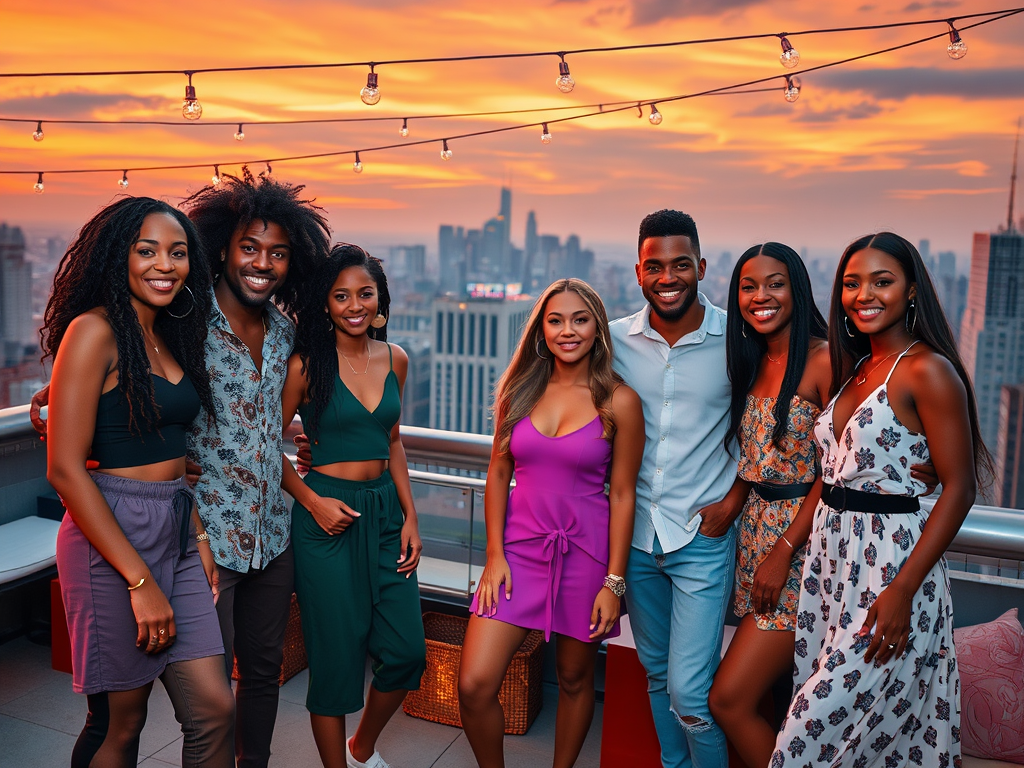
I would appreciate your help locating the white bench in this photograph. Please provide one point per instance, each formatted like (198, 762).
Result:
(27, 546)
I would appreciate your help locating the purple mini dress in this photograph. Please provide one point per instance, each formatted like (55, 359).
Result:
(556, 530)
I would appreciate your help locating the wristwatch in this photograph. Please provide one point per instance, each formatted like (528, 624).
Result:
(616, 584)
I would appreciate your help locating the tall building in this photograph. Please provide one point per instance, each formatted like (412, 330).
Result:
(16, 328)
(1009, 449)
(473, 343)
(992, 333)
(409, 327)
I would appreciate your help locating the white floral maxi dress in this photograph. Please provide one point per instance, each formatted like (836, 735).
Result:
(846, 712)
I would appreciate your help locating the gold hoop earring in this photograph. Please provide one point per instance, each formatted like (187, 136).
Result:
(379, 321)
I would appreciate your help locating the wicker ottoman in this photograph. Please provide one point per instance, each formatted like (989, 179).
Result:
(437, 699)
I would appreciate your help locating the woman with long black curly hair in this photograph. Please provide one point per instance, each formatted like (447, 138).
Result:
(354, 526)
(125, 327)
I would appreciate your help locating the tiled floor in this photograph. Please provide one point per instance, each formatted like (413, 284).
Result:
(40, 718)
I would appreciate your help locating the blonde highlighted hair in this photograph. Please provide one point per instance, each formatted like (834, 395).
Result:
(523, 383)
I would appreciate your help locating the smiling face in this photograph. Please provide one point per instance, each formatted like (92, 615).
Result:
(569, 327)
(876, 291)
(352, 302)
(765, 295)
(158, 261)
(668, 272)
(256, 262)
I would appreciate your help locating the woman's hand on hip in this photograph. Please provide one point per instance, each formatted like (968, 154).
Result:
(496, 572)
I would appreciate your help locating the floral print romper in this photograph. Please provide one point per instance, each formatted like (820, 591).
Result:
(762, 522)
(846, 712)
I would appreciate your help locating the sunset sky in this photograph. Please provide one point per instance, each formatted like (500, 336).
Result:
(910, 140)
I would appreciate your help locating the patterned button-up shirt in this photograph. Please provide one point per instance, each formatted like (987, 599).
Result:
(239, 493)
(686, 396)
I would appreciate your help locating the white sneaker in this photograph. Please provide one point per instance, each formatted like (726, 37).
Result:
(375, 761)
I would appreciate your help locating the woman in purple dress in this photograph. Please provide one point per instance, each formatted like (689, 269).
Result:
(565, 424)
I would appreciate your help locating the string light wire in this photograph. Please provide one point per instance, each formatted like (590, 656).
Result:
(602, 110)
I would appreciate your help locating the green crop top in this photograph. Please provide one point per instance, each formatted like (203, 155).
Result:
(115, 446)
(348, 431)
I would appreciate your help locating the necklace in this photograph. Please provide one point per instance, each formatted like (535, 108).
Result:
(775, 360)
(863, 376)
(357, 373)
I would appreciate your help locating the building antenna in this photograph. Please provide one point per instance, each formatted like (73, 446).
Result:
(1013, 180)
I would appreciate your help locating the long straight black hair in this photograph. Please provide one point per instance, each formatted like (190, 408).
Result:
(745, 347)
(847, 345)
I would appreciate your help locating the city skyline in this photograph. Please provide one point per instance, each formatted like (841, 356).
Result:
(910, 141)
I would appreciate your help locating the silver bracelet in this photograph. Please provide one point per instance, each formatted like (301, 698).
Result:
(204, 536)
(616, 584)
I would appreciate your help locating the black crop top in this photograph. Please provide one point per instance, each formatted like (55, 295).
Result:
(113, 444)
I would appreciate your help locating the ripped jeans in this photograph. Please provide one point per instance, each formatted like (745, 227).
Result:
(677, 603)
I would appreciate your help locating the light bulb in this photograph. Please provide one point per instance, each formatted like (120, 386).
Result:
(790, 56)
(564, 81)
(957, 48)
(792, 92)
(37, 134)
(370, 93)
(404, 130)
(446, 154)
(545, 135)
(239, 134)
(38, 186)
(123, 181)
(215, 179)
(191, 109)
(357, 166)
(655, 117)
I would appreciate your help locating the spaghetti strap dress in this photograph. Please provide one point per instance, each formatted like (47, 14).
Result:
(846, 712)
(556, 530)
(762, 521)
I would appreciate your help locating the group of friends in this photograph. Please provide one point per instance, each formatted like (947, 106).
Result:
(659, 460)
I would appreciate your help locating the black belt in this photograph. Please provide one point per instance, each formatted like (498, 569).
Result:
(772, 492)
(848, 499)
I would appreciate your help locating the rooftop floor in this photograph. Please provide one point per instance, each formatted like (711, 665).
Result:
(40, 718)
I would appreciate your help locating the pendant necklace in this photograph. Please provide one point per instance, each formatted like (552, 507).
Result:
(354, 371)
(863, 376)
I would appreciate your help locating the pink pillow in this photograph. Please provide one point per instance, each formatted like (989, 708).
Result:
(991, 662)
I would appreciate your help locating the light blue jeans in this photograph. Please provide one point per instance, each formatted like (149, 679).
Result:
(677, 603)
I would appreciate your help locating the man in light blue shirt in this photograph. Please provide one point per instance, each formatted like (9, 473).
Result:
(679, 577)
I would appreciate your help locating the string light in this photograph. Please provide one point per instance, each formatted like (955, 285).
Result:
(37, 134)
(215, 179)
(123, 181)
(191, 109)
(370, 93)
(790, 56)
(446, 154)
(957, 48)
(357, 166)
(404, 130)
(655, 117)
(545, 134)
(564, 81)
(38, 186)
(239, 134)
(269, 171)
(792, 92)
(639, 111)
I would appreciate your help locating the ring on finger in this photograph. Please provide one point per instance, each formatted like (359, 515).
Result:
(891, 646)
(163, 631)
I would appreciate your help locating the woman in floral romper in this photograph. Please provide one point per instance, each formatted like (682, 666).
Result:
(875, 664)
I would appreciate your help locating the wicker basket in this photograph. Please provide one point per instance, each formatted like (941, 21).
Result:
(294, 647)
(437, 699)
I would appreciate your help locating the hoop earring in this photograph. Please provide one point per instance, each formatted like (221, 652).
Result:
(191, 306)
(539, 354)
(743, 328)
(330, 322)
(379, 321)
(846, 322)
(911, 323)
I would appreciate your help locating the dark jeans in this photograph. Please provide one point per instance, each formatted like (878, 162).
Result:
(253, 611)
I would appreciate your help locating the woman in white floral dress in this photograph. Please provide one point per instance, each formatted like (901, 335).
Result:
(876, 676)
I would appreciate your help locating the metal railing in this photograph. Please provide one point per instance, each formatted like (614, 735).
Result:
(448, 470)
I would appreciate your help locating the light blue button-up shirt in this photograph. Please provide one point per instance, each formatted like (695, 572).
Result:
(686, 396)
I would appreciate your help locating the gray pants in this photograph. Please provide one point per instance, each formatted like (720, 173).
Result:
(253, 613)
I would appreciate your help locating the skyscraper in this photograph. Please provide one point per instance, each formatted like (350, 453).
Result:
(992, 334)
